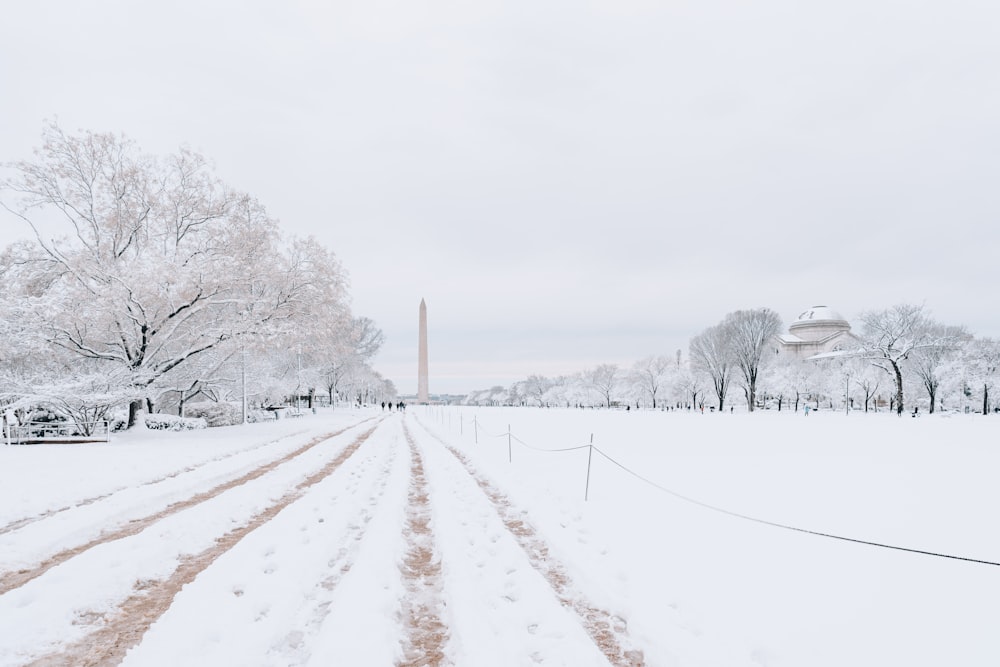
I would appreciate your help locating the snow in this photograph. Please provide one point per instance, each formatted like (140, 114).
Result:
(320, 579)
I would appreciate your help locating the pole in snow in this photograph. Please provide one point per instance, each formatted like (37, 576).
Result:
(509, 456)
(590, 455)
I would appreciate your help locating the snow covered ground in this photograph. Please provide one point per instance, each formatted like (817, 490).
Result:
(369, 538)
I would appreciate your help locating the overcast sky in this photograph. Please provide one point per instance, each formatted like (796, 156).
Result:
(565, 183)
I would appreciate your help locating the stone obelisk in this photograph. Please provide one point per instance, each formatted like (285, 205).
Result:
(422, 395)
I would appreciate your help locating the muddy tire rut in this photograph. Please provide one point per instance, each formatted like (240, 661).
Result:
(123, 628)
(425, 632)
(608, 631)
(16, 578)
(28, 520)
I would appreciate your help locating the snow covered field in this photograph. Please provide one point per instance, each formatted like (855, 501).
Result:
(369, 538)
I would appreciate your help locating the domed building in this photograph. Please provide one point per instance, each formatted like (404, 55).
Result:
(819, 330)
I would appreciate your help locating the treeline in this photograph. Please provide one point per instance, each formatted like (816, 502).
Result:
(902, 359)
(150, 283)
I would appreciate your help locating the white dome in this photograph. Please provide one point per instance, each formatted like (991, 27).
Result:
(820, 314)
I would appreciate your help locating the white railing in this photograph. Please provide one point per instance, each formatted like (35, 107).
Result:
(35, 433)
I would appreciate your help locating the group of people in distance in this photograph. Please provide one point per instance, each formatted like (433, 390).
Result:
(399, 406)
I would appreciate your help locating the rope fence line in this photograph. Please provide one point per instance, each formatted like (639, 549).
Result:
(722, 510)
(542, 449)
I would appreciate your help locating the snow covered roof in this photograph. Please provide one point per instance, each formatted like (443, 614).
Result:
(820, 313)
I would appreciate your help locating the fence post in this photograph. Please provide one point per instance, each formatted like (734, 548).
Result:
(590, 455)
(509, 456)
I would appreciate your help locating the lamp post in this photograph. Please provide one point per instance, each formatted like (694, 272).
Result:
(298, 379)
(243, 378)
(244, 316)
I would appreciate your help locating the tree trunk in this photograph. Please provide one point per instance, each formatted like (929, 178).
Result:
(899, 387)
(986, 396)
(134, 411)
(931, 393)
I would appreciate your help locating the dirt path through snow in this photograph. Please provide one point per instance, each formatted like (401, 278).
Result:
(607, 631)
(28, 520)
(14, 579)
(425, 632)
(124, 629)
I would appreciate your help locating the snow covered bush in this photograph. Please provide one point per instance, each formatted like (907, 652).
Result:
(216, 414)
(165, 422)
(118, 422)
(257, 416)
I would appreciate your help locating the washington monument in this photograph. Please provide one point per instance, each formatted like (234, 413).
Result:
(422, 395)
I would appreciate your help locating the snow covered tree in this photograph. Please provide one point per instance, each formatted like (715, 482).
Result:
(983, 362)
(535, 389)
(929, 363)
(687, 385)
(750, 333)
(893, 335)
(604, 380)
(650, 375)
(712, 355)
(779, 376)
(346, 345)
(867, 379)
(169, 262)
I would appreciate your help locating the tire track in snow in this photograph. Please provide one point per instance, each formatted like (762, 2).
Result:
(607, 631)
(425, 632)
(27, 521)
(124, 628)
(16, 578)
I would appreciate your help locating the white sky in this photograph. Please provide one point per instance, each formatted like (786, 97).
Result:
(565, 183)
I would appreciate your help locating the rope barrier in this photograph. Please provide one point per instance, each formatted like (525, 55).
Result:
(488, 435)
(738, 515)
(775, 524)
(542, 449)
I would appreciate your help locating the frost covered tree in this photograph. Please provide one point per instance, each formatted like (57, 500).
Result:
(983, 363)
(867, 379)
(712, 355)
(687, 386)
(930, 363)
(345, 345)
(750, 333)
(604, 380)
(650, 375)
(779, 376)
(169, 261)
(893, 335)
(535, 389)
